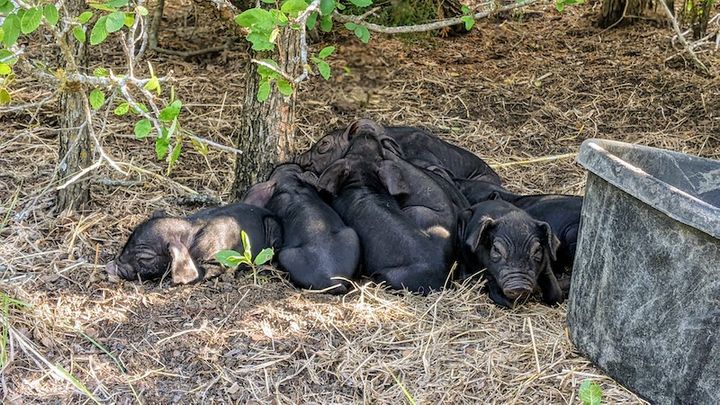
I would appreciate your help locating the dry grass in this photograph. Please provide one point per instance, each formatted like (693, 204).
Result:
(514, 91)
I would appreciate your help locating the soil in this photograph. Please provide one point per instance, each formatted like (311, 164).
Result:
(521, 90)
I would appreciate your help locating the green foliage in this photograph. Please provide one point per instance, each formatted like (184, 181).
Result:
(263, 91)
(467, 18)
(51, 14)
(233, 259)
(122, 109)
(590, 393)
(30, 21)
(361, 3)
(171, 111)
(142, 128)
(79, 34)
(360, 31)
(84, 17)
(11, 30)
(97, 99)
(5, 69)
(99, 32)
(114, 21)
(561, 4)
(293, 7)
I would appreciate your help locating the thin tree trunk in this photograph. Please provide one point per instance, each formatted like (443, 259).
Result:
(615, 11)
(266, 134)
(75, 151)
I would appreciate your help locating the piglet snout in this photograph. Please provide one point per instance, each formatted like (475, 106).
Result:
(111, 268)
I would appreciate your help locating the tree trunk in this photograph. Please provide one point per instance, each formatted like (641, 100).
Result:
(75, 151)
(267, 130)
(696, 14)
(615, 11)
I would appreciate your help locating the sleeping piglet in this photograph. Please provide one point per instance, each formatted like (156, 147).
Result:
(182, 245)
(319, 251)
(560, 211)
(515, 248)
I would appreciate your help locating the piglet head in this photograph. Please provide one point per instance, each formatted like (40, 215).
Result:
(156, 246)
(516, 250)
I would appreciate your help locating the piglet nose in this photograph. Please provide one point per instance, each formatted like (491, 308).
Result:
(111, 268)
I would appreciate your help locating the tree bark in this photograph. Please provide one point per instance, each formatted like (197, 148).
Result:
(696, 14)
(267, 131)
(615, 11)
(75, 152)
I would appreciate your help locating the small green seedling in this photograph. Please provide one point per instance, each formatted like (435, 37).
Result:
(590, 393)
(232, 258)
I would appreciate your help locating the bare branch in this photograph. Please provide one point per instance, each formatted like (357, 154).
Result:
(429, 26)
(683, 41)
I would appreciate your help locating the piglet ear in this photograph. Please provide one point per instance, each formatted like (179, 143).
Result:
(476, 232)
(309, 177)
(391, 176)
(390, 145)
(182, 268)
(551, 241)
(260, 194)
(495, 195)
(333, 177)
(159, 214)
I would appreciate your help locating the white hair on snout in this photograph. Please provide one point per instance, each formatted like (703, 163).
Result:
(439, 231)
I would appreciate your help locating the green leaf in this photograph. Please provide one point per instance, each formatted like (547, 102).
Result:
(142, 107)
(116, 3)
(162, 144)
(247, 248)
(590, 393)
(268, 1)
(101, 72)
(115, 21)
(469, 22)
(260, 41)
(153, 84)
(11, 29)
(362, 33)
(142, 128)
(129, 20)
(229, 258)
(294, 7)
(171, 111)
(327, 7)
(175, 154)
(351, 26)
(465, 9)
(285, 88)
(5, 69)
(98, 33)
(8, 57)
(5, 97)
(79, 34)
(141, 10)
(31, 20)
(51, 14)
(311, 21)
(323, 68)
(279, 17)
(256, 19)
(85, 17)
(97, 99)
(264, 256)
(325, 52)
(263, 91)
(326, 23)
(7, 7)
(361, 3)
(122, 109)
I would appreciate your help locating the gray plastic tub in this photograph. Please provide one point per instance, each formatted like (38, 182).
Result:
(645, 297)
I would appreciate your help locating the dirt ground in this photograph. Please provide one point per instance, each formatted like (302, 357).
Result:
(519, 87)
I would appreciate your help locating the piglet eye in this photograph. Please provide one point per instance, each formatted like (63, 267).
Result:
(536, 253)
(496, 253)
(324, 146)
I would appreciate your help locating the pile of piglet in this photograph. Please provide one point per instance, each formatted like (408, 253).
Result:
(397, 205)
